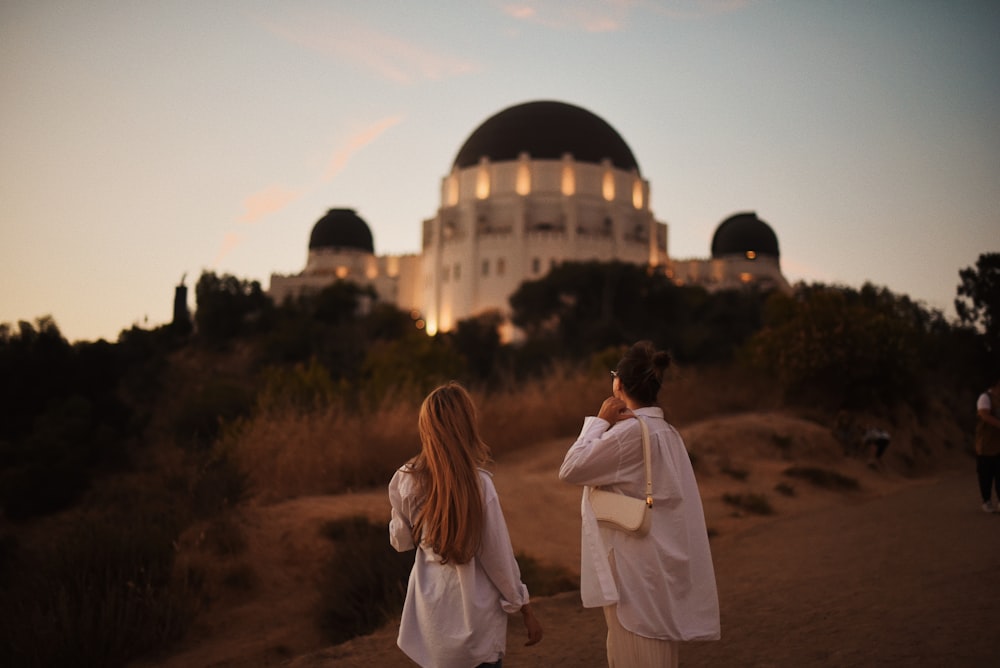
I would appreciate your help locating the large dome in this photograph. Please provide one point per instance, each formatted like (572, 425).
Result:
(546, 130)
(341, 229)
(744, 233)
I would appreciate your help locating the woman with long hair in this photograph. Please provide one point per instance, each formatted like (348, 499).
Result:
(464, 580)
(658, 588)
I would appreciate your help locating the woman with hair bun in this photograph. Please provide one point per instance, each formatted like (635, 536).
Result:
(657, 589)
(465, 580)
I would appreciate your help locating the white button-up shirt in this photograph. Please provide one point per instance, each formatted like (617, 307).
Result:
(664, 582)
(455, 615)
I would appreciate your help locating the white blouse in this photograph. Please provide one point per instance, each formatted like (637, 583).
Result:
(664, 582)
(455, 615)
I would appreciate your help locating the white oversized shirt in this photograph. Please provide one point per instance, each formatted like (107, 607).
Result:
(664, 582)
(455, 615)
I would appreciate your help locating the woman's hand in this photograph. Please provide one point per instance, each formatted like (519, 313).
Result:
(614, 410)
(531, 623)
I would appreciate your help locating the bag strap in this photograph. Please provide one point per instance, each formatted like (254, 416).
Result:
(645, 457)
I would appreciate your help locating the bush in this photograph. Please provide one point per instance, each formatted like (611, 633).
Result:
(544, 580)
(824, 478)
(99, 595)
(203, 412)
(847, 348)
(364, 584)
(752, 503)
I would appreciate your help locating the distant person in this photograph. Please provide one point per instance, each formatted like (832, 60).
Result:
(876, 442)
(988, 445)
(465, 579)
(657, 589)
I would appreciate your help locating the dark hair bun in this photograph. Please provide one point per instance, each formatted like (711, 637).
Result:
(661, 360)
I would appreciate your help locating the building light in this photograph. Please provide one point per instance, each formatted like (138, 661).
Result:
(637, 194)
(452, 189)
(483, 182)
(341, 272)
(746, 277)
(751, 255)
(608, 186)
(523, 185)
(568, 180)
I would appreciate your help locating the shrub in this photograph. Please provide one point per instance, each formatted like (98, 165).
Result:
(364, 584)
(844, 347)
(822, 477)
(544, 580)
(99, 595)
(203, 413)
(735, 473)
(752, 503)
(784, 489)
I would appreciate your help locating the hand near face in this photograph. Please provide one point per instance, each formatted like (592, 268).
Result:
(614, 410)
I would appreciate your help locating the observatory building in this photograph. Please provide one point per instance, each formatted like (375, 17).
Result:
(534, 185)
(744, 253)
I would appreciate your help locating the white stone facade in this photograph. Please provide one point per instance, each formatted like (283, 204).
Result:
(500, 224)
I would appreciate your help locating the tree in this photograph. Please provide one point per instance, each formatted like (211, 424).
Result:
(583, 307)
(978, 300)
(854, 348)
(226, 306)
(477, 340)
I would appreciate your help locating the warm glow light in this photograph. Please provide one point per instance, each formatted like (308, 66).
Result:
(568, 180)
(751, 255)
(608, 186)
(392, 267)
(341, 272)
(637, 194)
(745, 277)
(371, 271)
(483, 182)
(432, 328)
(419, 324)
(452, 189)
(523, 185)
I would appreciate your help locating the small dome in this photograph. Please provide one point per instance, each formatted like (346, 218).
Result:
(743, 234)
(546, 130)
(341, 229)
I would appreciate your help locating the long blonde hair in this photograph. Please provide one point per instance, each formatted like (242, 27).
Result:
(451, 518)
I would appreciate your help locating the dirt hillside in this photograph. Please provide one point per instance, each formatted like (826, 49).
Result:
(832, 577)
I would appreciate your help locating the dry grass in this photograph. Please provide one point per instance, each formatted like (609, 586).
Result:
(288, 452)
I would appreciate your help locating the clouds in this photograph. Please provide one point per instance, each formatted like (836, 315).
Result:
(392, 58)
(590, 16)
(603, 16)
(357, 142)
(269, 200)
(273, 199)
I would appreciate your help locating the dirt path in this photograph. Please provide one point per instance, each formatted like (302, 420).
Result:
(904, 572)
(906, 579)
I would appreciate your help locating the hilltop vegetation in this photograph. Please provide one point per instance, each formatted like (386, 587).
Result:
(109, 451)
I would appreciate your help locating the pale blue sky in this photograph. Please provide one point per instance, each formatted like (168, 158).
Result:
(146, 139)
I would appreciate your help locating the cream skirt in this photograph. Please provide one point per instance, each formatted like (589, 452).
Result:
(628, 650)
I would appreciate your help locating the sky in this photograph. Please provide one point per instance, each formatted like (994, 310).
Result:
(146, 142)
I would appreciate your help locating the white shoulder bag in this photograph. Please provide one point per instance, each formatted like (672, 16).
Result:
(623, 512)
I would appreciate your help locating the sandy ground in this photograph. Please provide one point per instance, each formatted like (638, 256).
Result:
(903, 572)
